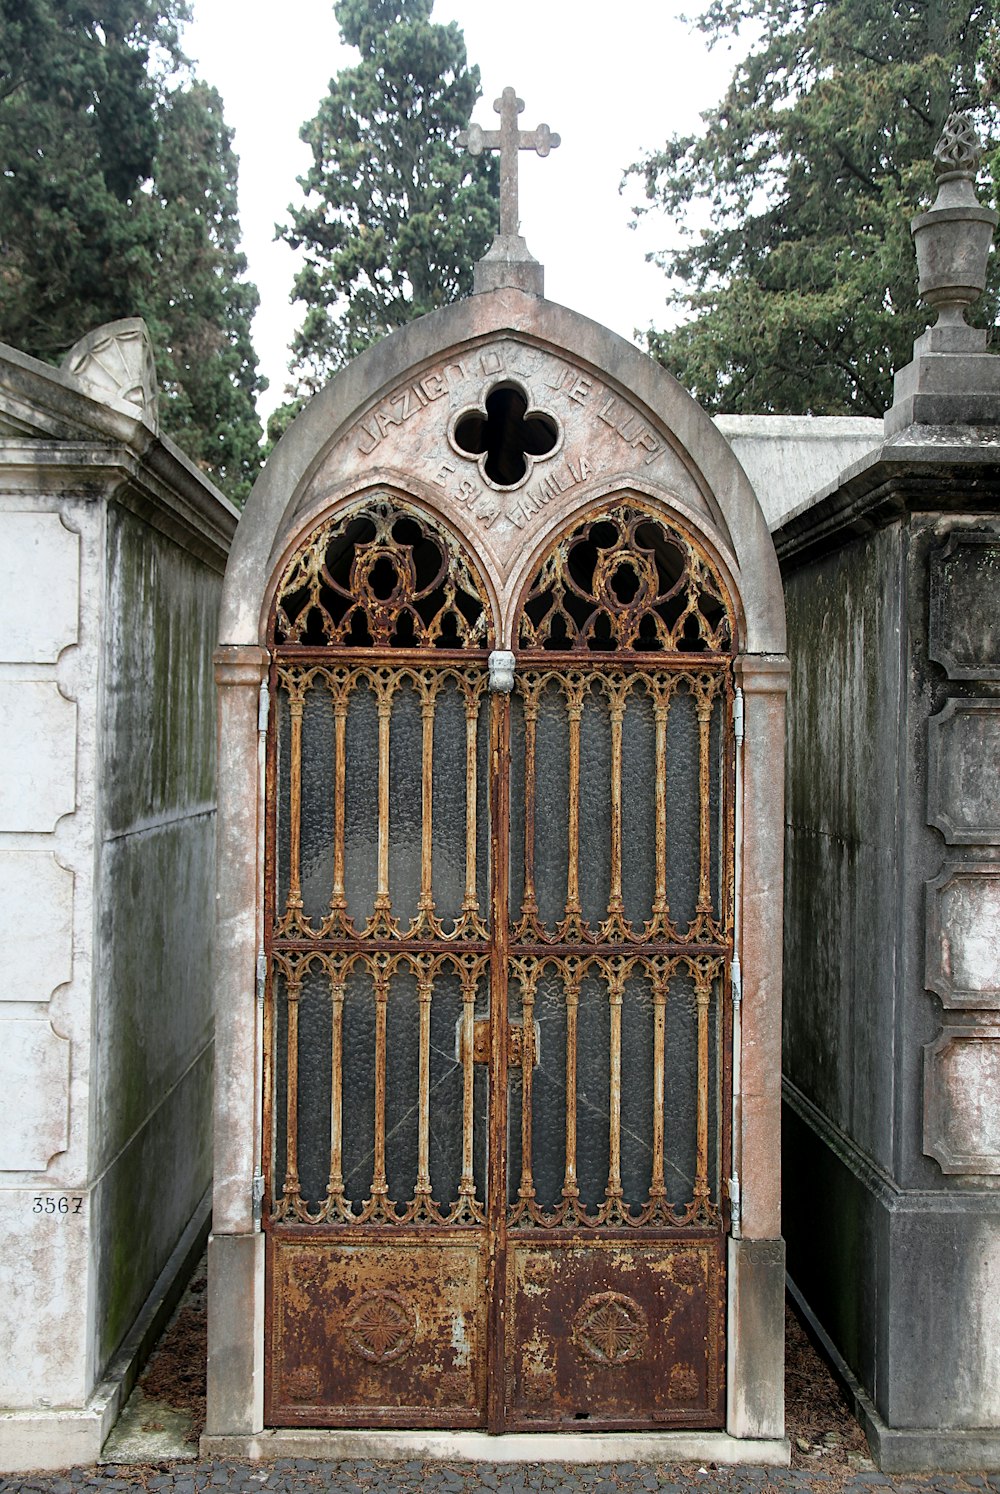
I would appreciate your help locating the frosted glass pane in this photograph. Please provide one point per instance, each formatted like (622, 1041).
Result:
(637, 1089)
(317, 803)
(514, 1015)
(314, 1085)
(638, 809)
(405, 818)
(446, 1089)
(281, 802)
(715, 1091)
(280, 1102)
(681, 1086)
(449, 803)
(516, 804)
(549, 1092)
(595, 807)
(361, 805)
(402, 1047)
(483, 862)
(593, 1089)
(552, 798)
(715, 799)
(359, 1085)
(682, 808)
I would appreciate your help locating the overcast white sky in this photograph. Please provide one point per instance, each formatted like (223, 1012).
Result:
(614, 79)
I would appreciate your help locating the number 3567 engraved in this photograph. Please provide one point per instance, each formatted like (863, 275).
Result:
(60, 1203)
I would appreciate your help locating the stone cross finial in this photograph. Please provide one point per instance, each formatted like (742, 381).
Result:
(508, 140)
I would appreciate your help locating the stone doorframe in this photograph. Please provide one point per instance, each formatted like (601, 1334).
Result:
(623, 426)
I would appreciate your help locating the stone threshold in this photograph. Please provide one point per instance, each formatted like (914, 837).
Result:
(904, 1449)
(509, 1447)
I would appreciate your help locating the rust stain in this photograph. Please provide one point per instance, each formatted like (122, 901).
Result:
(491, 1307)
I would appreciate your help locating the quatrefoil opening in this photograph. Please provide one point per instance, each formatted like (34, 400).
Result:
(506, 435)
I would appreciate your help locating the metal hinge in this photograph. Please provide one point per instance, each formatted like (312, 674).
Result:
(261, 975)
(257, 1194)
(515, 1043)
(263, 706)
(738, 717)
(734, 1206)
(736, 979)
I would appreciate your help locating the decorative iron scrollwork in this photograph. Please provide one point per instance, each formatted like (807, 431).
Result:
(626, 581)
(610, 1329)
(381, 576)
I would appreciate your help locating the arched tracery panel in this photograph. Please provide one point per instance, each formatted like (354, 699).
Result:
(379, 576)
(626, 582)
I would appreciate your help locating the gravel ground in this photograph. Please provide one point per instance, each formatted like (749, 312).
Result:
(304, 1476)
(829, 1452)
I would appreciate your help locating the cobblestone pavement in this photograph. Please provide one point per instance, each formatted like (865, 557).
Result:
(306, 1476)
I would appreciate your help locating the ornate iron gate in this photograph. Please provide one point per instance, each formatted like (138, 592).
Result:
(499, 931)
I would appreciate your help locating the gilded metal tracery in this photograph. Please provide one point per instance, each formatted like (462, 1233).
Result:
(624, 581)
(380, 576)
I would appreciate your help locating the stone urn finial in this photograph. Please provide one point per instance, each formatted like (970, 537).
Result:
(953, 239)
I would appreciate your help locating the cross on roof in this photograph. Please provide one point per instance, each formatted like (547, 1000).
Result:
(508, 140)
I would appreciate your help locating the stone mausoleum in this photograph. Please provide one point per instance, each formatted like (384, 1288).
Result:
(507, 893)
(501, 683)
(112, 548)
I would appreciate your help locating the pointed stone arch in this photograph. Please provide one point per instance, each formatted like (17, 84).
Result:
(620, 435)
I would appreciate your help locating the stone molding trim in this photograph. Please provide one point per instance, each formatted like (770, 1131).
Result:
(963, 770)
(60, 437)
(961, 1075)
(244, 664)
(941, 469)
(962, 953)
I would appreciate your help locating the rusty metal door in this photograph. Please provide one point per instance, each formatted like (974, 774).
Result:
(498, 931)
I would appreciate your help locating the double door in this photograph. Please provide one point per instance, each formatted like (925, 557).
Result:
(498, 930)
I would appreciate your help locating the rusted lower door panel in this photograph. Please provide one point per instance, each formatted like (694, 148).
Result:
(372, 1333)
(616, 1334)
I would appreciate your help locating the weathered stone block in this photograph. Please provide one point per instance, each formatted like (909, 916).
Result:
(962, 1100)
(43, 1266)
(39, 587)
(757, 1338)
(36, 899)
(963, 935)
(965, 605)
(37, 755)
(34, 1095)
(963, 772)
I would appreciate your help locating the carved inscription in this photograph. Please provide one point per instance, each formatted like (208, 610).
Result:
(408, 428)
(402, 405)
(563, 476)
(609, 408)
(58, 1205)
